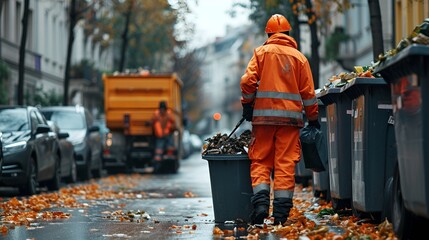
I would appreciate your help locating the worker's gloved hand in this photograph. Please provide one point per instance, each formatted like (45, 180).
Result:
(314, 123)
(247, 111)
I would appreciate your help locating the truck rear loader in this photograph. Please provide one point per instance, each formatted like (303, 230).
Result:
(129, 104)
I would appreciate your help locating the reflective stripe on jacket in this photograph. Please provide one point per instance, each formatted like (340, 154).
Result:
(163, 124)
(279, 82)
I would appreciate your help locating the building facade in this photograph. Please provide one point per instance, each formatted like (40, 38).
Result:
(357, 49)
(46, 48)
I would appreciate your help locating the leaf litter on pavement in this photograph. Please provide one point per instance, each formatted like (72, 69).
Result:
(24, 211)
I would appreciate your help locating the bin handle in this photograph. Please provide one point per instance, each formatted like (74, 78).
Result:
(236, 126)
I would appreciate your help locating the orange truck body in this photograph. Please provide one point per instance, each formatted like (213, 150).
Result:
(129, 104)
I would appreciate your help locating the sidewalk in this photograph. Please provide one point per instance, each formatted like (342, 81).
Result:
(313, 218)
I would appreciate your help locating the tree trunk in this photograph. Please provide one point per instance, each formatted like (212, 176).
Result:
(72, 24)
(21, 67)
(125, 37)
(315, 58)
(296, 32)
(376, 28)
(1, 8)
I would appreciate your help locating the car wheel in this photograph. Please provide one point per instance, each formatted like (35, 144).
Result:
(72, 178)
(54, 183)
(175, 166)
(31, 185)
(86, 170)
(99, 170)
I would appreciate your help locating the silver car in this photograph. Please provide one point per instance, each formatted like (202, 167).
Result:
(83, 134)
(68, 163)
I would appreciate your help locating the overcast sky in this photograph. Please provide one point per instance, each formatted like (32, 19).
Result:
(211, 18)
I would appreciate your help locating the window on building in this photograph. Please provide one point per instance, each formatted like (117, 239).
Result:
(46, 36)
(54, 39)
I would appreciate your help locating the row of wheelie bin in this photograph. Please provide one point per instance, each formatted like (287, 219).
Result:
(377, 134)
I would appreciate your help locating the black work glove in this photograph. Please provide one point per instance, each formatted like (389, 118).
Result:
(314, 123)
(247, 111)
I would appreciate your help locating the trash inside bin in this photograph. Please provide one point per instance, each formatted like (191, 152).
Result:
(338, 113)
(231, 187)
(408, 75)
(373, 144)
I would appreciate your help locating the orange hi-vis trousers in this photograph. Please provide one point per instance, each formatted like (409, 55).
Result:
(275, 148)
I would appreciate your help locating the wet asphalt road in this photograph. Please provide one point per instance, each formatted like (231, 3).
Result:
(167, 206)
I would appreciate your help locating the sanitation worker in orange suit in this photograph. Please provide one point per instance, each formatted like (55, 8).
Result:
(276, 86)
(163, 127)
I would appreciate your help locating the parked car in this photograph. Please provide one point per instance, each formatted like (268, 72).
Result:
(187, 148)
(83, 134)
(1, 152)
(30, 148)
(68, 163)
(106, 140)
(191, 143)
(197, 144)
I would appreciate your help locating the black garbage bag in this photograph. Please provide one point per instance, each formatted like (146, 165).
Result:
(314, 148)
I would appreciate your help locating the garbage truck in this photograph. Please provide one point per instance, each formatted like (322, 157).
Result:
(130, 101)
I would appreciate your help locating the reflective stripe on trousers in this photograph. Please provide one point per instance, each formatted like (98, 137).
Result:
(277, 193)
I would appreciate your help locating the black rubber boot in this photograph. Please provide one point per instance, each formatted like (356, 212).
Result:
(261, 206)
(281, 209)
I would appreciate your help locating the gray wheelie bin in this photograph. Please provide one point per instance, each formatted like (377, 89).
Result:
(321, 179)
(373, 144)
(338, 113)
(231, 187)
(408, 75)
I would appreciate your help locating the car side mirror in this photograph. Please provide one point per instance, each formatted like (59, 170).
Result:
(63, 135)
(42, 129)
(94, 129)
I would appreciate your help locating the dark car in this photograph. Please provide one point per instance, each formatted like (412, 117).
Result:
(1, 152)
(68, 163)
(30, 148)
(78, 122)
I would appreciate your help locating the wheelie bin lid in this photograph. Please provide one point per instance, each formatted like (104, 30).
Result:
(357, 86)
(328, 96)
(409, 60)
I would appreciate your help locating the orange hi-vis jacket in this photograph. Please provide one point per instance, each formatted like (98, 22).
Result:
(280, 92)
(163, 124)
